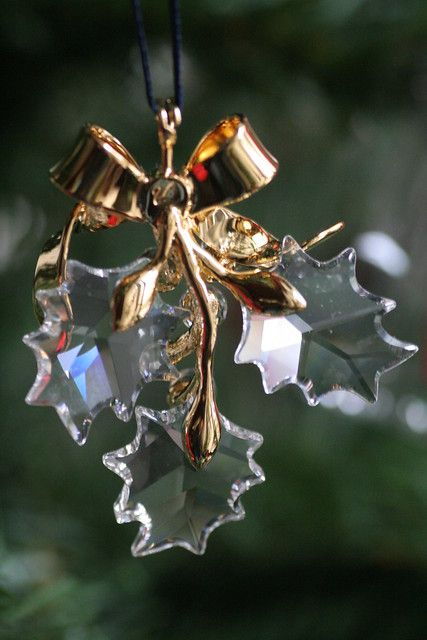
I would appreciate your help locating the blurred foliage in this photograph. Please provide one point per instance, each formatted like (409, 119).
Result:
(334, 545)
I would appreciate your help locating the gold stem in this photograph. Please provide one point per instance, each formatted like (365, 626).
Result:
(51, 265)
(182, 347)
(322, 236)
(219, 269)
(261, 290)
(202, 426)
(134, 294)
(168, 119)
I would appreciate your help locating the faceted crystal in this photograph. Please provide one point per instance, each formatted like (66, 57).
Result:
(176, 504)
(83, 365)
(337, 342)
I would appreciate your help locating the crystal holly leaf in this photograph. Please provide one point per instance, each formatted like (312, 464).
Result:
(176, 504)
(337, 342)
(83, 366)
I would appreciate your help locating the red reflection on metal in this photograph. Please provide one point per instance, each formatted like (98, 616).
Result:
(112, 220)
(61, 342)
(200, 172)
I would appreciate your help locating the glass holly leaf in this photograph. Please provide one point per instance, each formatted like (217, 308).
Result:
(83, 366)
(337, 342)
(176, 504)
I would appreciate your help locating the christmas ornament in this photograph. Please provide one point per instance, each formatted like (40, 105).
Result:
(107, 332)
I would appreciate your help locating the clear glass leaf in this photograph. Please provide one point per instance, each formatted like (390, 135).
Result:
(175, 504)
(83, 366)
(337, 342)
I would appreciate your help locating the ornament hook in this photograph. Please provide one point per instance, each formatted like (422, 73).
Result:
(168, 120)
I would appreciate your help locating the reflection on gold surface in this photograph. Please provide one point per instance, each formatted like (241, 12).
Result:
(235, 238)
(52, 261)
(229, 164)
(100, 172)
(322, 236)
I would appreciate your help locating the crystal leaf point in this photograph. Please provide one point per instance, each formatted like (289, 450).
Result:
(176, 505)
(337, 342)
(82, 365)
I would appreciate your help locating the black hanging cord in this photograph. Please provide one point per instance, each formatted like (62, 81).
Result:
(176, 30)
(176, 52)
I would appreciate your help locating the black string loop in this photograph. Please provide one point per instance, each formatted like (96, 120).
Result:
(175, 17)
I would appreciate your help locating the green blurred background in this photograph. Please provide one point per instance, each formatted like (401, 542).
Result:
(334, 545)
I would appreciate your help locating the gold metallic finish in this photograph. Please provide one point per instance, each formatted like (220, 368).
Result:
(95, 219)
(229, 164)
(260, 290)
(202, 425)
(134, 295)
(266, 293)
(180, 389)
(187, 343)
(183, 346)
(52, 262)
(168, 119)
(216, 269)
(322, 236)
(171, 274)
(197, 238)
(235, 238)
(101, 172)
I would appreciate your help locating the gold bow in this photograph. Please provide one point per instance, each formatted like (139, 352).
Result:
(197, 237)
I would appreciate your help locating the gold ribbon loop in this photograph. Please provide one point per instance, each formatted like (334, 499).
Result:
(229, 164)
(101, 172)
